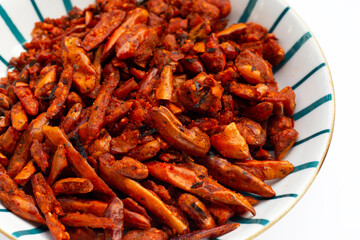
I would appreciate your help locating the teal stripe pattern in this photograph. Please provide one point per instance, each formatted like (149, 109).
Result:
(4, 210)
(311, 137)
(14, 30)
(279, 19)
(308, 75)
(68, 5)
(31, 231)
(296, 116)
(293, 195)
(303, 140)
(243, 220)
(304, 166)
(6, 63)
(246, 14)
(292, 51)
(37, 10)
(312, 106)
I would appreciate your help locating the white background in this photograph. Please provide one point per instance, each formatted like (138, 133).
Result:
(331, 207)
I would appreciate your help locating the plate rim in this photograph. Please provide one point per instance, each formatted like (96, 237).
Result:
(329, 139)
(323, 157)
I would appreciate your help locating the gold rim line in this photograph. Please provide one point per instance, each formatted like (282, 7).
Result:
(6, 234)
(271, 223)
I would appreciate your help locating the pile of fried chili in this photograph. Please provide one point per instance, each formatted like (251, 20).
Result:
(143, 121)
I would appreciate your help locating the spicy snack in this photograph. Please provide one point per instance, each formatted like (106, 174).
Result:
(143, 121)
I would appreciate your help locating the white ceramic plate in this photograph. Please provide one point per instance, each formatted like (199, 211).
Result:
(304, 69)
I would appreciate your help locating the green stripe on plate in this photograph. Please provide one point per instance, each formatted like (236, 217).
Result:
(68, 5)
(40, 16)
(293, 195)
(31, 231)
(246, 14)
(4, 210)
(304, 166)
(303, 140)
(292, 51)
(14, 30)
(308, 75)
(282, 14)
(6, 63)
(312, 106)
(269, 148)
(243, 220)
(312, 136)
